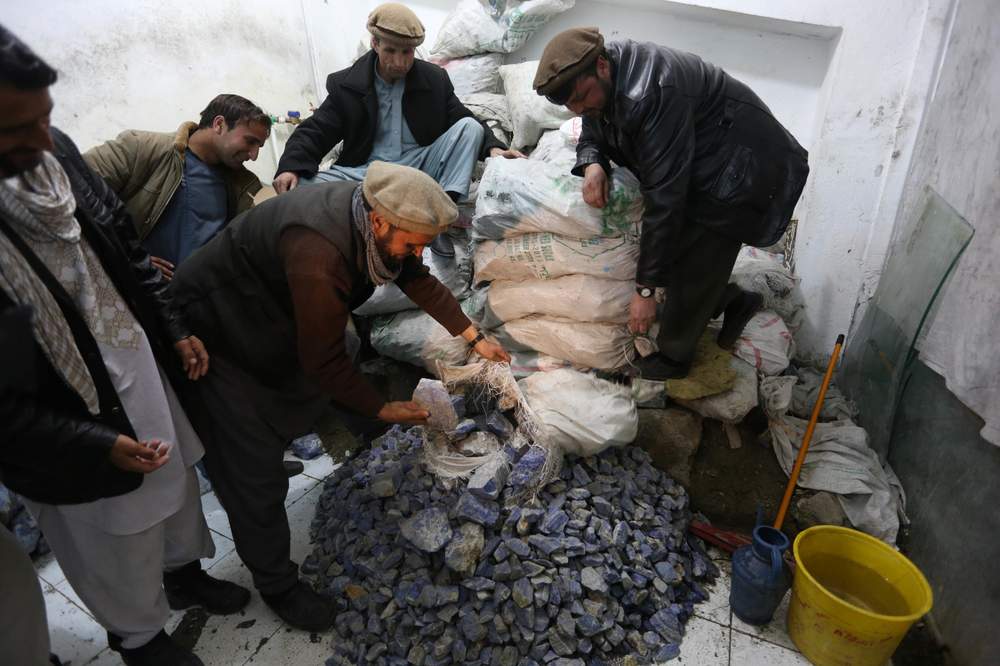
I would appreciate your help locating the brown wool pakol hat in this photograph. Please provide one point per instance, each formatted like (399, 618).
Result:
(408, 198)
(568, 54)
(396, 23)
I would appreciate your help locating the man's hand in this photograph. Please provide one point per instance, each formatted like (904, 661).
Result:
(403, 412)
(284, 181)
(641, 313)
(131, 456)
(194, 357)
(509, 153)
(165, 267)
(492, 351)
(595, 186)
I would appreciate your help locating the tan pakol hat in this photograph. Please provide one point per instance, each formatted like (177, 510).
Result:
(408, 198)
(568, 54)
(396, 23)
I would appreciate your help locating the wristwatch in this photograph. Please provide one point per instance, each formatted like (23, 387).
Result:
(645, 292)
(476, 340)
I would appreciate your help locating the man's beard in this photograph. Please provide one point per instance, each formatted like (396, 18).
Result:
(382, 245)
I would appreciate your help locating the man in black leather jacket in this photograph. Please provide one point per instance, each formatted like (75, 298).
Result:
(77, 444)
(716, 168)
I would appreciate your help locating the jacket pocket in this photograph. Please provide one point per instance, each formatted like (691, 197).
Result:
(732, 179)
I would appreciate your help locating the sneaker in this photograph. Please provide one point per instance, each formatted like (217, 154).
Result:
(737, 314)
(293, 468)
(302, 607)
(657, 367)
(191, 586)
(160, 651)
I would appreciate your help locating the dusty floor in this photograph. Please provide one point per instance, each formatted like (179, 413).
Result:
(256, 636)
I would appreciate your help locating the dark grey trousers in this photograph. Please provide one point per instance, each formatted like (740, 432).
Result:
(245, 428)
(698, 291)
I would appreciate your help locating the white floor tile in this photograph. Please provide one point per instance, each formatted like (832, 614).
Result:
(705, 644)
(749, 650)
(321, 467)
(291, 646)
(215, 515)
(716, 608)
(776, 632)
(67, 590)
(49, 570)
(298, 486)
(223, 546)
(106, 657)
(74, 635)
(300, 516)
(232, 639)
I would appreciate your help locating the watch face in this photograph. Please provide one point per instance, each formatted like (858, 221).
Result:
(645, 292)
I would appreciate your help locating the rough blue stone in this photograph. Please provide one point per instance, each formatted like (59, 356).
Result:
(667, 652)
(527, 468)
(478, 584)
(667, 625)
(522, 594)
(588, 625)
(308, 446)
(477, 510)
(602, 506)
(667, 572)
(554, 521)
(464, 428)
(497, 423)
(546, 545)
(458, 404)
(428, 529)
(593, 580)
(518, 547)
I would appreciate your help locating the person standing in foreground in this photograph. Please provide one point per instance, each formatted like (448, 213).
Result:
(100, 449)
(272, 293)
(716, 170)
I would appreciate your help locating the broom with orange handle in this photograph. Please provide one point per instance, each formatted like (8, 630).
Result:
(793, 478)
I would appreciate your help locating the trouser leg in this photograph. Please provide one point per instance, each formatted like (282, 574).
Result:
(118, 577)
(244, 455)
(698, 289)
(24, 632)
(186, 535)
(452, 156)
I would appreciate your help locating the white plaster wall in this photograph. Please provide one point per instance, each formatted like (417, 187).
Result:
(958, 154)
(150, 65)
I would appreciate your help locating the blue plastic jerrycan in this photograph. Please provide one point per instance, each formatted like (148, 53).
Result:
(760, 576)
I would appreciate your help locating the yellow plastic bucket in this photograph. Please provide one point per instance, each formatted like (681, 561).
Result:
(853, 597)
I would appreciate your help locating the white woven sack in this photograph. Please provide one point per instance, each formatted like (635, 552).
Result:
(578, 297)
(547, 256)
(530, 112)
(525, 196)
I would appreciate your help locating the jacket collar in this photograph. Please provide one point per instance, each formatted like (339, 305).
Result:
(182, 136)
(361, 75)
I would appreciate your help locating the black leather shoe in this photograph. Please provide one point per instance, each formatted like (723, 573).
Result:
(659, 368)
(737, 314)
(302, 607)
(161, 651)
(191, 586)
(293, 468)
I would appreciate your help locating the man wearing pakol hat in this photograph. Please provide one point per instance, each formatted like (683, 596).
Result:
(717, 170)
(390, 107)
(271, 294)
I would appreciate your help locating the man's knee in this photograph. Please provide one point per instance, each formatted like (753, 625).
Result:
(469, 127)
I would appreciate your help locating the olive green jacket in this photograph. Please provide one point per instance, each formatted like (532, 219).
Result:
(145, 168)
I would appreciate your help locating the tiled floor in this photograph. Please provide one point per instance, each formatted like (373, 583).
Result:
(714, 637)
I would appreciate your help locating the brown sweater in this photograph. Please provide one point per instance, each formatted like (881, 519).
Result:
(320, 281)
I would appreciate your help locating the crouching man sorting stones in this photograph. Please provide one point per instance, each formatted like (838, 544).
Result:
(272, 294)
(717, 170)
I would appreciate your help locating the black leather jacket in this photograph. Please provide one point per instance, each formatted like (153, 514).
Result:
(350, 113)
(51, 448)
(705, 148)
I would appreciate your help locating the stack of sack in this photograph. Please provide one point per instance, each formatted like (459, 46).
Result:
(560, 273)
